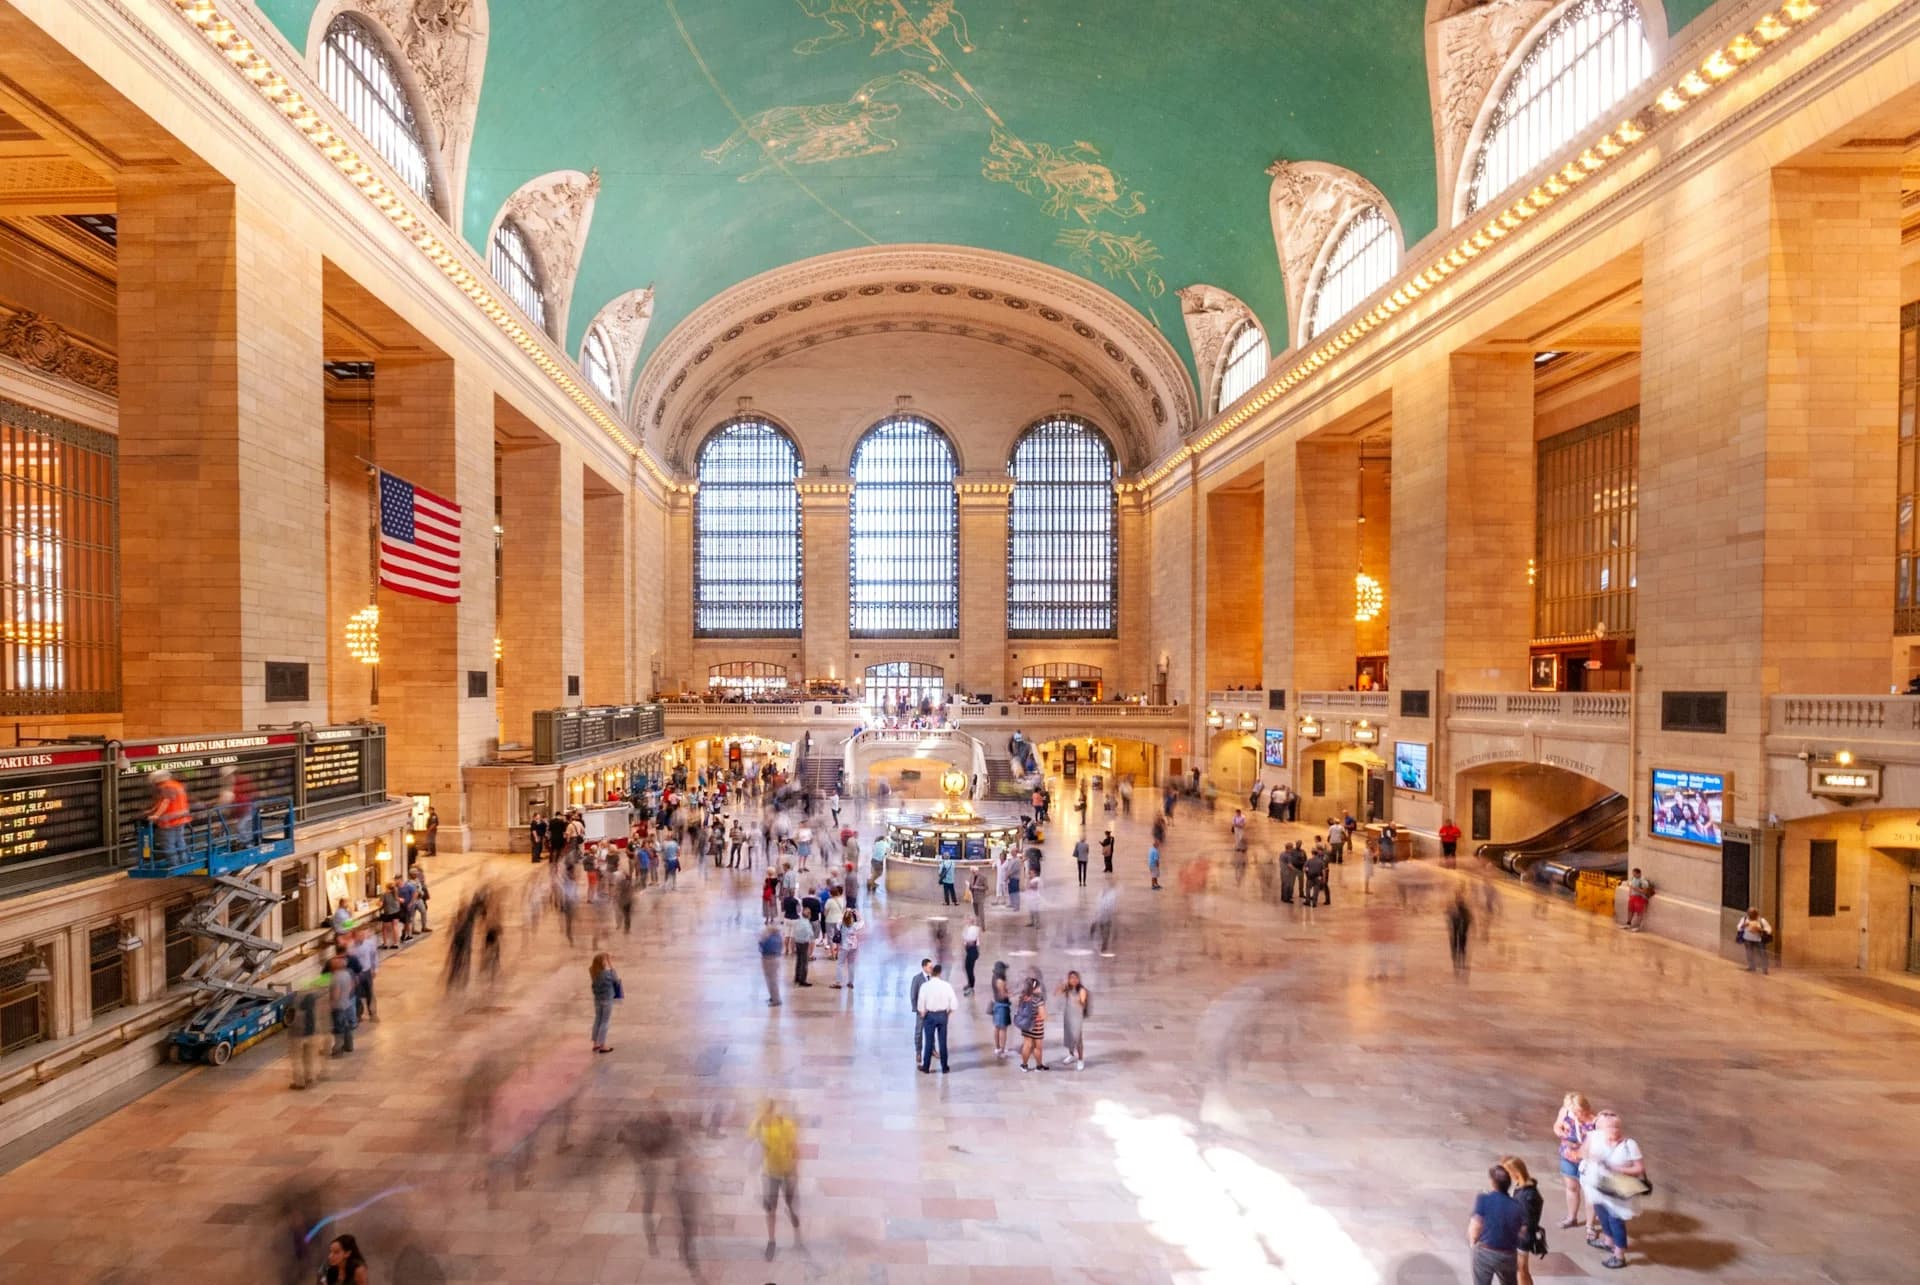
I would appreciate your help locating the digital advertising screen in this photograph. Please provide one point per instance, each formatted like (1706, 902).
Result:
(1410, 766)
(1276, 755)
(1688, 807)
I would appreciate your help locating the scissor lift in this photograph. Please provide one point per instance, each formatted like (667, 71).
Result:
(225, 847)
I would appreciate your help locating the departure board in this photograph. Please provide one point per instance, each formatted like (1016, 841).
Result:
(267, 761)
(52, 804)
(333, 770)
(562, 734)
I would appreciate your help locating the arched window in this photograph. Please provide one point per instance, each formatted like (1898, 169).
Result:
(750, 678)
(514, 267)
(1580, 64)
(906, 533)
(361, 79)
(904, 686)
(746, 534)
(1063, 547)
(1246, 365)
(1364, 257)
(596, 363)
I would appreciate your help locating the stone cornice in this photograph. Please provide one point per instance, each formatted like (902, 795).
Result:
(41, 344)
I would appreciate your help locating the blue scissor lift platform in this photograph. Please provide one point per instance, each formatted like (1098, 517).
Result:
(225, 845)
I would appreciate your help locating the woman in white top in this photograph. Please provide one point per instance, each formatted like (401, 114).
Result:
(849, 949)
(1613, 1175)
(1753, 933)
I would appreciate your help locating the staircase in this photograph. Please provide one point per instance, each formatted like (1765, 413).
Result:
(818, 773)
(1001, 781)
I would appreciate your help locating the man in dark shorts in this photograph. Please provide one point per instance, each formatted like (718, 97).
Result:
(1494, 1231)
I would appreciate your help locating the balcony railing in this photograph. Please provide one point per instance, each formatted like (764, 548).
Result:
(1237, 700)
(1879, 718)
(1601, 708)
(1361, 702)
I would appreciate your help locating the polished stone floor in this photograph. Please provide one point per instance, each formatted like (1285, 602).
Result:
(1270, 1096)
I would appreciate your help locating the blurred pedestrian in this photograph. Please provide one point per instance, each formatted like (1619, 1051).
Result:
(969, 952)
(1753, 932)
(1526, 1194)
(340, 993)
(1106, 853)
(850, 934)
(1030, 1017)
(305, 1033)
(1614, 1176)
(1459, 922)
(779, 1140)
(770, 947)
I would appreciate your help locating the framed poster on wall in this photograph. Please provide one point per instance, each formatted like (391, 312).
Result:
(1410, 766)
(1688, 807)
(1276, 748)
(1544, 675)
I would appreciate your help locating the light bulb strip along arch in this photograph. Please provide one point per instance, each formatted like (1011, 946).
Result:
(1604, 152)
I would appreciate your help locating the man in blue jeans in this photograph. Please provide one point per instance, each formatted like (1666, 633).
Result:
(1494, 1231)
(936, 1004)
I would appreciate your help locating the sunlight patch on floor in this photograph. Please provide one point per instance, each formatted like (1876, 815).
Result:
(1238, 1221)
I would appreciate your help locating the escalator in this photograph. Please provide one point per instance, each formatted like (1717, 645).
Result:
(1594, 838)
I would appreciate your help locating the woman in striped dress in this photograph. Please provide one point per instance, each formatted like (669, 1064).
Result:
(1030, 1016)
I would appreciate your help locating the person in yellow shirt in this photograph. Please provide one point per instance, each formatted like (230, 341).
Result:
(779, 1139)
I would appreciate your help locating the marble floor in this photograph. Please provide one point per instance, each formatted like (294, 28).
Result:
(1270, 1096)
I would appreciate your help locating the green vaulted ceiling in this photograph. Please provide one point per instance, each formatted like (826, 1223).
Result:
(1125, 140)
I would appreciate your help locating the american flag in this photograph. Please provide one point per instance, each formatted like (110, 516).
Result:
(419, 541)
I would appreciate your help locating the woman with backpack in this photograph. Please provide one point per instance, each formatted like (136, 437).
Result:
(606, 989)
(1030, 1016)
(1533, 1238)
(1753, 933)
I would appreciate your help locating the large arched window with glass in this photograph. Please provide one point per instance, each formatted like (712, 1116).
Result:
(596, 363)
(1364, 257)
(361, 78)
(1245, 366)
(906, 533)
(1063, 549)
(746, 534)
(514, 266)
(1578, 66)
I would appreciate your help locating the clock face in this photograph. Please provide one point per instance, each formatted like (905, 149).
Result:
(954, 782)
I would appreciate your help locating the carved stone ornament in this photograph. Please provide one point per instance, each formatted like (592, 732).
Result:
(445, 45)
(1212, 315)
(1311, 202)
(1471, 41)
(554, 212)
(33, 340)
(624, 322)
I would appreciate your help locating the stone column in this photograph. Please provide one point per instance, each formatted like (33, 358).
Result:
(676, 570)
(541, 585)
(433, 426)
(1235, 588)
(222, 493)
(1460, 607)
(351, 571)
(983, 588)
(609, 622)
(1325, 554)
(1136, 652)
(825, 530)
(1767, 463)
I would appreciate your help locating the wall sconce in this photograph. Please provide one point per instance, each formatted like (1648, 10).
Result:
(39, 974)
(1247, 722)
(1215, 719)
(129, 939)
(1310, 728)
(1368, 598)
(1843, 757)
(1365, 733)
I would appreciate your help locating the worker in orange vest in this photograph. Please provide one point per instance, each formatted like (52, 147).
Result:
(168, 814)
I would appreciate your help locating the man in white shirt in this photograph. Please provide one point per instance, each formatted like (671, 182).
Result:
(937, 1002)
(1336, 839)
